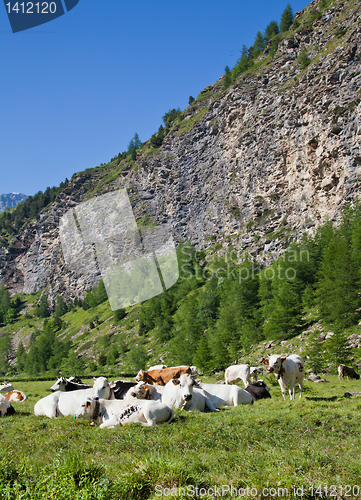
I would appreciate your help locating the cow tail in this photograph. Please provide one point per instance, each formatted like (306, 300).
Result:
(171, 416)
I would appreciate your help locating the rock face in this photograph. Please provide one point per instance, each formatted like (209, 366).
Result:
(251, 167)
(11, 200)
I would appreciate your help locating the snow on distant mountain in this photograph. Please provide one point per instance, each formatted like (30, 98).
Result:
(11, 200)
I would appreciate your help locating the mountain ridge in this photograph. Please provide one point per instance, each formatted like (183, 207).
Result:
(10, 200)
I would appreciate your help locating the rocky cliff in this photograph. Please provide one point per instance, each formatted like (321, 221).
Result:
(248, 168)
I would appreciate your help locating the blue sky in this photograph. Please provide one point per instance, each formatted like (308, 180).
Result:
(75, 90)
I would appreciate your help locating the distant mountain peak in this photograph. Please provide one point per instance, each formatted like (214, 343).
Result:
(11, 200)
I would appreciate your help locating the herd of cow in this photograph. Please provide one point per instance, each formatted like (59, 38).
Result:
(154, 394)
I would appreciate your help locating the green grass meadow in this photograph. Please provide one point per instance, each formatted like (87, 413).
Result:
(270, 447)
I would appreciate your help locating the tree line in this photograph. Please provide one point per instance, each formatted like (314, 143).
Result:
(218, 309)
(13, 220)
(269, 40)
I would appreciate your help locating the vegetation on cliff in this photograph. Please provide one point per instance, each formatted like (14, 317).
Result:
(216, 313)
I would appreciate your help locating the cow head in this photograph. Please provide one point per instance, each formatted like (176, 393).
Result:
(261, 383)
(140, 376)
(185, 384)
(101, 388)
(140, 391)
(87, 409)
(59, 385)
(274, 363)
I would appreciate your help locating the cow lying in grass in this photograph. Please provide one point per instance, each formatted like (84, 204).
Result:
(109, 413)
(6, 387)
(259, 390)
(226, 395)
(145, 391)
(67, 385)
(5, 407)
(15, 396)
(161, 377)
(67, 403)
(183, 393)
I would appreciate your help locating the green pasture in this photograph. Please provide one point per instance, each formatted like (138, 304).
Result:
(272, 444)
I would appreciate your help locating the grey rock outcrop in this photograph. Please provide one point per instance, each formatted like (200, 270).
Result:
(248, 169)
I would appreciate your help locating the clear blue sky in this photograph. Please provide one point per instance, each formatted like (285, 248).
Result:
(75, 90)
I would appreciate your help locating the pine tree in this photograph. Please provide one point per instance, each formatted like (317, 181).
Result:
(60, 308)
(20, 357)
(191, 99)
(337, 291)
(286, 19)
(258, 45)
(134, 143)
(227, 79)
(203, 358)
(271, 30)
(43, 309)
(242, 63)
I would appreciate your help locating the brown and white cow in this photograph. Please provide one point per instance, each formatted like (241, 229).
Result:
(162, 377)
(15, 396)
(290, 371)
(348, 371)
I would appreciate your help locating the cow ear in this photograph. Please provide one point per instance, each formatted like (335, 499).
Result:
(265, 361)
(96, 398)
(175, 381)
(146, 388)
(283, 358)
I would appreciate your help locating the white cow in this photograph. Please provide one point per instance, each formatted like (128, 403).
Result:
(226, 395)
(255, 371)
(6, 387)
(145, 391)
(109, 413)
(67, 403)
(180, 393)
(235, 373)
(290, 371)
(5, 407)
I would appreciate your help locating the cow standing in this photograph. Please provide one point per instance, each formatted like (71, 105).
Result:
(290, 371)
(348, 371)
(235, 373)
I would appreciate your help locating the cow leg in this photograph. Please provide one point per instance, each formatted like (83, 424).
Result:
(292, 391)
(112, 421)
(300, 386)
(209, 404)
(283, 389)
